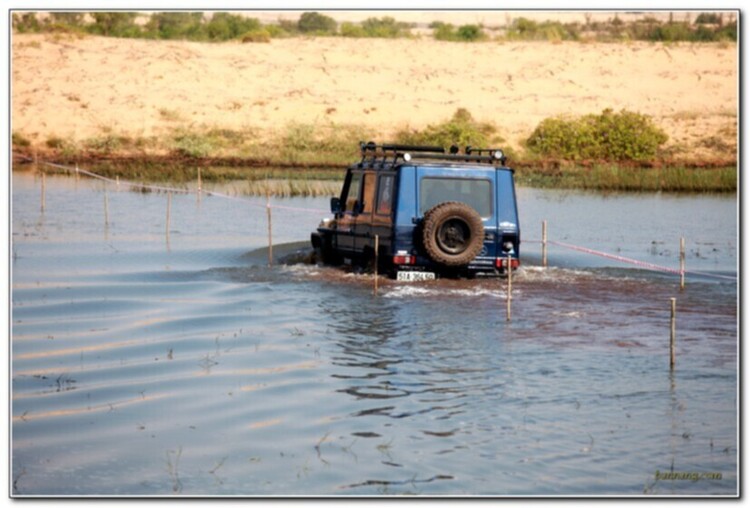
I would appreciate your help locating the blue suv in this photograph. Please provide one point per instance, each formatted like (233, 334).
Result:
(434, 213)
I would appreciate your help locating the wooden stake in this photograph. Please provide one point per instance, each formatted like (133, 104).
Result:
(509, 271)
(270, 237)
(169, 212)
(44, 190)
(544, 243)
(200, 182)
(682, 263)
(377, 246)
(673, 333)
(106, 209)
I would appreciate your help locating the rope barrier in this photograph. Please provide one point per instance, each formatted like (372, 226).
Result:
(586, 250)
(162, 188)
(642, 264)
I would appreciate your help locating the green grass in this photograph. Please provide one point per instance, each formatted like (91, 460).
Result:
(606, 155)
(614, 178)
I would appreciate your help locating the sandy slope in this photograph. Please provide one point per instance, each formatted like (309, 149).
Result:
(81, 88)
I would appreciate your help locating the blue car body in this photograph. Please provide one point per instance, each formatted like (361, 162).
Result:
(389, 194)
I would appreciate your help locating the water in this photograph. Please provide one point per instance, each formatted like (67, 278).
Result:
(141, 367)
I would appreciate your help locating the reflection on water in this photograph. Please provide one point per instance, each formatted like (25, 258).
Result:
(198, 370)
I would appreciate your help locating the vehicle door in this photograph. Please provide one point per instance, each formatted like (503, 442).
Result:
(349, 205)
(382, 217)
(362, 225)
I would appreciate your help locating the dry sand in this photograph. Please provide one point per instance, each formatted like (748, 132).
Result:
(80, 88)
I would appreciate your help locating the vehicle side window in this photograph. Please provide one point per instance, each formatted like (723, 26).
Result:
(353, 194)
(368, 193)
(385, 195)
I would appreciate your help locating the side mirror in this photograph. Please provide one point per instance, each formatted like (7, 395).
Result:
(335, 205)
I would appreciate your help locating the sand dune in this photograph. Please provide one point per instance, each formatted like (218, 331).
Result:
(80, 88)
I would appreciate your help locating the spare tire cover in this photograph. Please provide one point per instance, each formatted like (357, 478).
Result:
(453, 233)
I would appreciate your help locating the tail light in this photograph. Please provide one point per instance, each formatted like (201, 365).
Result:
(404, 260)
(503, 263)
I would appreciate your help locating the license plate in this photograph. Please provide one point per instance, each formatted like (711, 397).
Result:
(415, 276)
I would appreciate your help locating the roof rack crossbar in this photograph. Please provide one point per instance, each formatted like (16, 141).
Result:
(372, 147)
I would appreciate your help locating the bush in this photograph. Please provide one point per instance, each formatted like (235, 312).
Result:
(193, 145)
(465, 33)
(352, 30)
(314, 22)
(385, 27)
(115, 24)
(470, 33)
(708, 18)
(257, 35)
(20, 140)
(609, 136)
(461, 130)
(26, 23)
(224, 26)
(177, 25)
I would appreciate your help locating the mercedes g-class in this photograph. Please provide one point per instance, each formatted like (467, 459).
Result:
(433, 213)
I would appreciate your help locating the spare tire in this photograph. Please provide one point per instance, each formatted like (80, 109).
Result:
(452, 233)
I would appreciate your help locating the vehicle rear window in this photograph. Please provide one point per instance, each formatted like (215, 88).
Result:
(476, 193)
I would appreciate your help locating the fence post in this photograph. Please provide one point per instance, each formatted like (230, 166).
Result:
(270, 238)
(682, 263)
(169, 212)
(377, 246)
(200, 182)
(106, 209)
(44, 190)
(544, 243)
(509, 271)
(672, 332)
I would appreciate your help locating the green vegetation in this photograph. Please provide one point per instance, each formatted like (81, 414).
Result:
(614, 178)
(461, 130)
(526, 29)
(385, 27)
(225, 26)
(623, 136)
(607, 152)
(464, 33)
(316, 24)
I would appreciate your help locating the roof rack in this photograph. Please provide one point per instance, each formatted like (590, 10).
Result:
(372, 152)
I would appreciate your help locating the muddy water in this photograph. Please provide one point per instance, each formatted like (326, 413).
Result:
(141, 367)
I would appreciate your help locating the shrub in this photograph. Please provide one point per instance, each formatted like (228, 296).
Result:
(19, 139)
(26, 22)
(257, 35)
(352, 30)
(115, 24)
(470, 33)
(176, 25)
(193, 145)
(107, 143)
(314, 22)
(385, 27)
(608, 136)
(708, 18)
(275, 31)
(224, 26)
(461, 129)
(443, 31)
